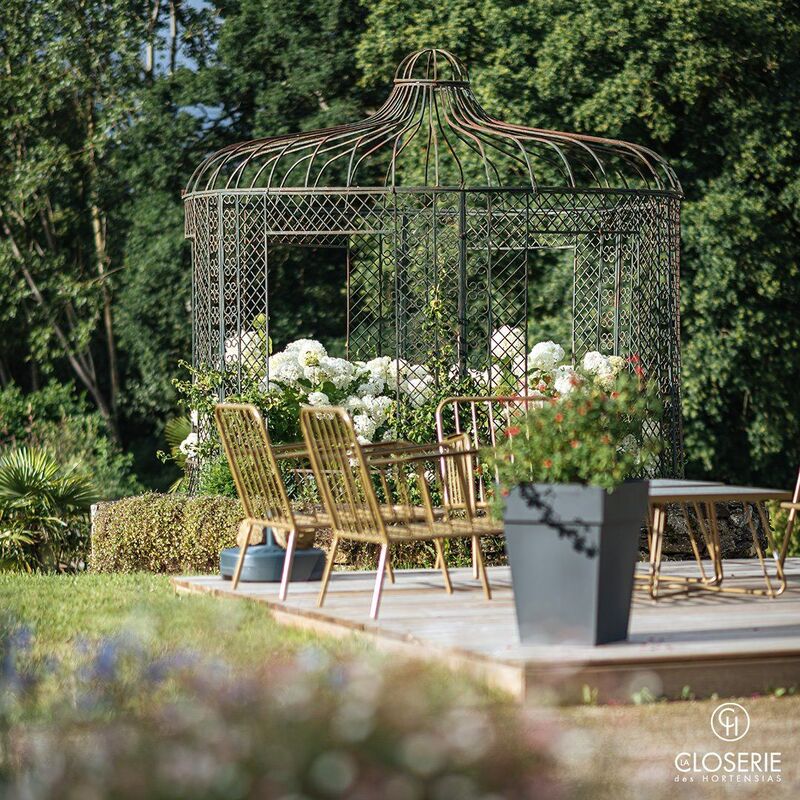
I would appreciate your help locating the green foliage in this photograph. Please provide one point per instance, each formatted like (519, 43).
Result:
(58, 420)
(589, 436)
(713, 87)
(779, 521)
(163, 533)
(100, 138)
(43, 513)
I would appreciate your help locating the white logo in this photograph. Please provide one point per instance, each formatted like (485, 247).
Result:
(730, 722)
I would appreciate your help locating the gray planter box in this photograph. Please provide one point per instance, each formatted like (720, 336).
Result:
(572, 551)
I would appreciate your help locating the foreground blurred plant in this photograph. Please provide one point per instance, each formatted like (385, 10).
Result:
(304, 727)
(43, 513)
(590, 435)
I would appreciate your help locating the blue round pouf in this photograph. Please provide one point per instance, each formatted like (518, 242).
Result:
(263, 563)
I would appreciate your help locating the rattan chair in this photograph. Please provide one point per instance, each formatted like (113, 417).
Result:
(253, 462)
(482, 420)
(347, 477)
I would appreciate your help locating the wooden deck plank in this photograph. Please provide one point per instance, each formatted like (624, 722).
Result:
(709, 642)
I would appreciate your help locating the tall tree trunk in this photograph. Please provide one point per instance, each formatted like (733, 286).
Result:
(149, 48)
(173, 34)
(102, 260)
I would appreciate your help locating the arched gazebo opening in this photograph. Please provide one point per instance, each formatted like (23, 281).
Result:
(436, 205)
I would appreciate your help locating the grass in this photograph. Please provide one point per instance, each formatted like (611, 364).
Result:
(628, 751)
(61, 610)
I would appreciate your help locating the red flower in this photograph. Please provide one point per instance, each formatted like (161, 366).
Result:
(638, 370)
(614, 395)
(513, 430)
(634, 359)
(547, 463)
(575, 443)
(504, 492)
(559, 417)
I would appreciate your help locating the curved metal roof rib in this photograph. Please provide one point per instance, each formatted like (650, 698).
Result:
(432, 132)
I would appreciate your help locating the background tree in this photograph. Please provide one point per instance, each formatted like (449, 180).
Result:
(106, 108)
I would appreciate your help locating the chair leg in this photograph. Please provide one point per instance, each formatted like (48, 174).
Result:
(244, 533)
(475, 552)
(288, 559)
(484, 576)
(389, 570)
(380, 575)
(327, 571)
(448, 586)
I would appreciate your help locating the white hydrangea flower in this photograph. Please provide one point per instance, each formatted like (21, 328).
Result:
(565, 379)
(545, 355)
(507, 342)
(284, 368)
(397, 368)
(379, 368)
(313, 374)
(378, 407)
(596, 363)
(365, 426)
(605, 380)
(189, 445)
(354, 405)
(339, 371)
(373, 386)
(308, 352)
(318, 399)
(418, 389)
(617, 364)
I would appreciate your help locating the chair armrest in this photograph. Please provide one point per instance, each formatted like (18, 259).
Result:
(791, 506)
(428, 452)
(292, 450)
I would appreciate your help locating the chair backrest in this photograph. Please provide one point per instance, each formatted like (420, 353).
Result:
(255, 471)
(342, 474)
(485, 420)
(457, 474)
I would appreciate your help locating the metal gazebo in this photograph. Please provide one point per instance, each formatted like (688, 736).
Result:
(430, 197)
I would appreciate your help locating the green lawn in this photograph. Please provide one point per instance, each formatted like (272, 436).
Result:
(625, 751)
(61, 611)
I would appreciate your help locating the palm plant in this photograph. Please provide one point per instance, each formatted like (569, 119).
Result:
(44, 522)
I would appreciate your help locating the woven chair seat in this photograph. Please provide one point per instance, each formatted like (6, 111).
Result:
(445, 529)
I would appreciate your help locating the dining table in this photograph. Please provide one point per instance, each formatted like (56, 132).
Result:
(697, 502)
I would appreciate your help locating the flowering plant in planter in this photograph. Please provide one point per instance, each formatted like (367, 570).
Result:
(572, 519)
(587, 434)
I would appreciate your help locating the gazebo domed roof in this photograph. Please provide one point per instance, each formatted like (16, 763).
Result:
(432, 133)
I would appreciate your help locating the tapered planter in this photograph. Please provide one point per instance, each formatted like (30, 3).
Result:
(573, 550)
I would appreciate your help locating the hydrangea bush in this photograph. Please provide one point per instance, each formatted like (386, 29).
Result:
(387, 397)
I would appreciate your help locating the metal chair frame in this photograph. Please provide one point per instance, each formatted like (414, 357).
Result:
(468, 414)
(346, 477)
(253, 462)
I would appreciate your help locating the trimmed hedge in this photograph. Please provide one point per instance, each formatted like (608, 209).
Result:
(175, 533)
(163, 533)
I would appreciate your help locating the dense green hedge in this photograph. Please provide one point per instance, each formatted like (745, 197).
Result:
(163, 533)
(177, 533)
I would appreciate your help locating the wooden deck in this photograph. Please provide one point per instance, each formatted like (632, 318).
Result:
(729, 644)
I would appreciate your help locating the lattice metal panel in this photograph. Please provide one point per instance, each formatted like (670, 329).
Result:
(442, 209)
